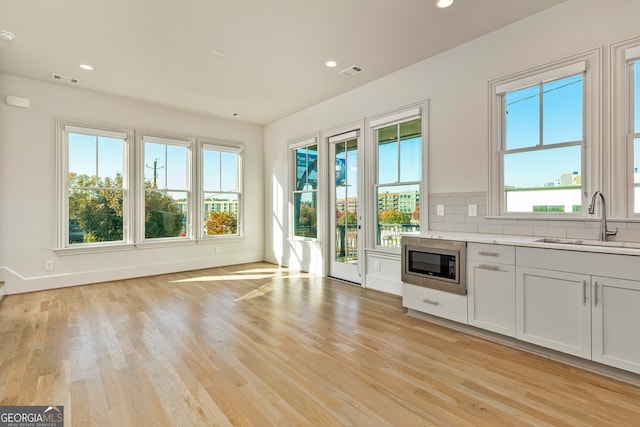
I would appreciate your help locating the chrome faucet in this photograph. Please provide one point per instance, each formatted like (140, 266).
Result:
(604, 232)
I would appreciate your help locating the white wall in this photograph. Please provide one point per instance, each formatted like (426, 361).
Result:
(28, 190)
(455, 83)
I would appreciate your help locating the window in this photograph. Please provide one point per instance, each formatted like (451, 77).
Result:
(634, 125)
(167, 187)
(221, 190)
(305, 191)
(93, 182)
(540, 127)
(397, 190)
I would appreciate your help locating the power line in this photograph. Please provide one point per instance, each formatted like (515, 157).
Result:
(546, 91)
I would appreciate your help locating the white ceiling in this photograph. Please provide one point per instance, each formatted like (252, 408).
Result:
(161, 51)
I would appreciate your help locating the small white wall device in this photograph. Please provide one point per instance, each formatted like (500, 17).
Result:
(17, 101)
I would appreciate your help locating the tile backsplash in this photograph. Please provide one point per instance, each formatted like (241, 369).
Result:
(456, 218)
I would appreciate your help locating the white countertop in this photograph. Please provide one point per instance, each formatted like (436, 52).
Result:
(610, 247)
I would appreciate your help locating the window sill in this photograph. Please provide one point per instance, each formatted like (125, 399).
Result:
(80, 250)
(391, 253)
(219, 239)
(310, 242)
(164, 243)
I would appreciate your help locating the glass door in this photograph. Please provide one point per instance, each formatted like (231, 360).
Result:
(346, 216)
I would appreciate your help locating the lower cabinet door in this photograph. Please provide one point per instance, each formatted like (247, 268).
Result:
(616, 319)
(553, 310)
(492, 297)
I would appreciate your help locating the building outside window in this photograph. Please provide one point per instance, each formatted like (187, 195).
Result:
(221, 190)
(305, 192)
(167, 187)
(399, 176)
(93, 182)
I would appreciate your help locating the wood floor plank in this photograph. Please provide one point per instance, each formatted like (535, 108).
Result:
(257, 345)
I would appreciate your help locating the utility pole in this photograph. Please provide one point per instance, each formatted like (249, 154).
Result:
(155, 172)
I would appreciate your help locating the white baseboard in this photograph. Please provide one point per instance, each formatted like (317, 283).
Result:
(15, 283)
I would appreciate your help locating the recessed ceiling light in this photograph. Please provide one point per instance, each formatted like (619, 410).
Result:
(6, 36)
(217, 53)
(331, 64)
(444, 3)
(86, 67)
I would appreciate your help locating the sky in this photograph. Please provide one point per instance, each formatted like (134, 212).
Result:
(561, 122)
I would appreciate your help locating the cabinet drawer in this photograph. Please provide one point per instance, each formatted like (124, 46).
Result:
(438, 303)
(492, 253)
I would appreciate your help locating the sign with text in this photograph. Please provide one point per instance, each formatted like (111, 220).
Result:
(31, 416)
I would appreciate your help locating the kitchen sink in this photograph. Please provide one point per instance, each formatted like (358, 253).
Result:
(581, 242)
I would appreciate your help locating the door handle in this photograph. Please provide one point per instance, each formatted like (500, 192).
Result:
(489, 267)
(595, 294)
(428, 301)
(483, 253)
(584, 292)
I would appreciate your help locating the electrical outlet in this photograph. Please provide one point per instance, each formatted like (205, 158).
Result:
(48, 265)
(440, 210)
(473, 210)
(218, 250)
(376, 266)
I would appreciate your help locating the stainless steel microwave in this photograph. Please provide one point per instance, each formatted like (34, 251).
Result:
(434, 263)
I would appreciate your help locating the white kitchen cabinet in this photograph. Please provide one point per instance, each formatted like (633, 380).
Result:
(553, 310)
(616, 318)
(432, 301)
(491, 287)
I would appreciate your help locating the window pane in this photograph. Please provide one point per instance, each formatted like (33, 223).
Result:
(220, 214)
(562, 110)
(110, 160)
(636, 85)
(307, 168)
(388, 155)
(165, 213)
(398, 212)
(304, 214)
(82, 159)
(176, 167)
(229, 171)
(410, 160)
(154, 165)
(527, 185)
(522, 120)
(95, 216)
(636, 175)
(211, 170)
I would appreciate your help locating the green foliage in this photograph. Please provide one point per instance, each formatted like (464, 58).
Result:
(346, 218)
(392, 216)
(99, 212)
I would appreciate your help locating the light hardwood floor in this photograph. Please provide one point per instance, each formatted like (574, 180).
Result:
(258, 345)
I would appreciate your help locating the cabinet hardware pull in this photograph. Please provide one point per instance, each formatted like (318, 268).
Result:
(489, 267)
(584, 292)
(428, 301)
(595, 295)
(496, 254)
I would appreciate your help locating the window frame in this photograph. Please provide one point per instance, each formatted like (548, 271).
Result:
(591, 174)
(294, 145)
(395, 117)
(189, 143)
(622, 54)
(237, 149)
(64, 127)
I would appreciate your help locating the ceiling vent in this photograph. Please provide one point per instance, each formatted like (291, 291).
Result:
(351, 71)
(65, 79)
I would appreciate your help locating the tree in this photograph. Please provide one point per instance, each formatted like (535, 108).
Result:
(99, 209)
(392, 216)
(221, 223)
(346, 218)
(162, 217)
